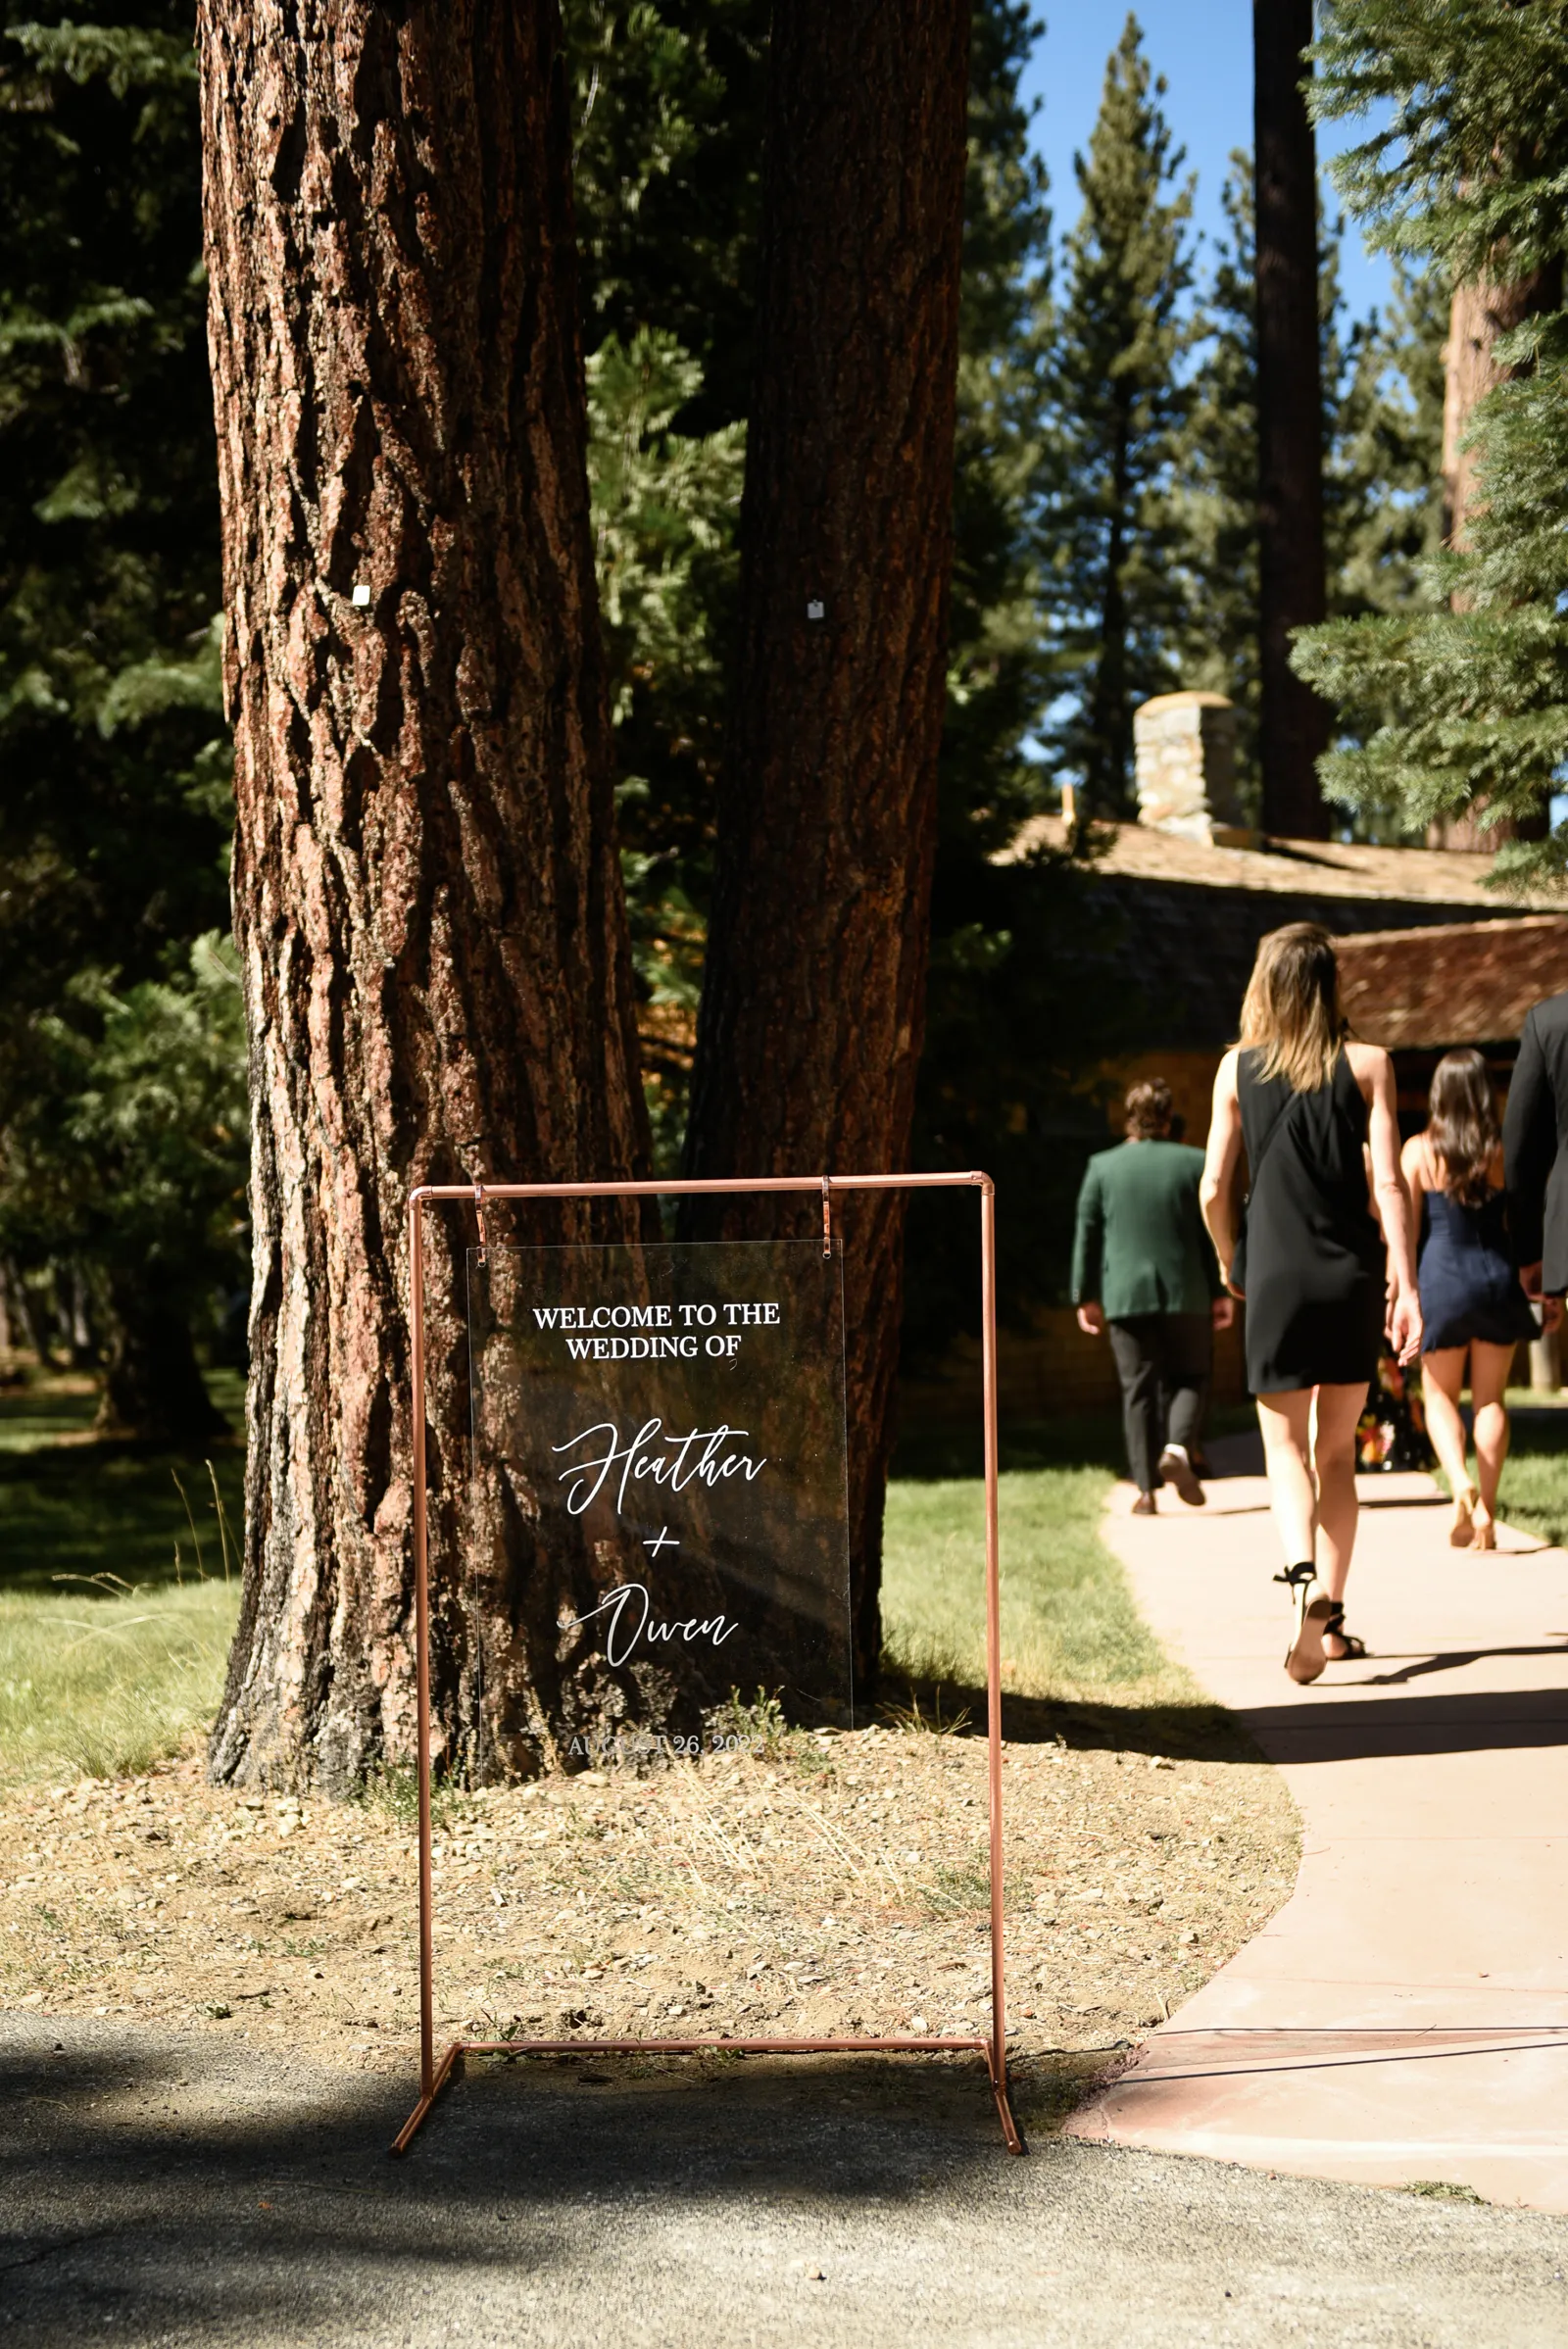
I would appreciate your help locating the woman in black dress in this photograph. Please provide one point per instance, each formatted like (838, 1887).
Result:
(1315, 1112)
(1472, 1304)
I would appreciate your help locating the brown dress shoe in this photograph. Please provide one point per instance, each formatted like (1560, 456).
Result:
(1175, 1468)
(1143, 1505)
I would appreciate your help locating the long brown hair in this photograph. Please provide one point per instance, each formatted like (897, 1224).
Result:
(1291, 1010)
(1462, 1125)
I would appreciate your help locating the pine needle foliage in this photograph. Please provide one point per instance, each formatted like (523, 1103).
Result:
(1114, 586)
(1470, 157)
(120, 1061)
(1469, 703)
(1017, 1014)
(1464, 707)
(998, 671)
(669, 109)
(1382, 385)
(114, 814)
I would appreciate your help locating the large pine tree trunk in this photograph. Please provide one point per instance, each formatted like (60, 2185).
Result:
(1481, 313)
(426, 894)
(813, 997)
(1293, 723)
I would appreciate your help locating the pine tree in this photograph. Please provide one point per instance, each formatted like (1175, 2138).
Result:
(1382, 428)
(998, 671)
(1111, 531)
(667, 169)
(1009, 1034)
(1292, 723)
(665, 504)
(667, 172)
(1383, 487)
(125, 1154)
(1215, 497)
(116, 811)
(813, 995)
(1466, 705)
(427, 894)
(1463, 708)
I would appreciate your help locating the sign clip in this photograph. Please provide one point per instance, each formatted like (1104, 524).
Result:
(479, 1216)
(827, 1218)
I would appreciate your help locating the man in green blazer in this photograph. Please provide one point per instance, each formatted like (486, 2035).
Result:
(1143, 1269)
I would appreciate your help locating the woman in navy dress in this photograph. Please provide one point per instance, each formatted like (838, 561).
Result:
(1315, 1111)
(1472, 1308)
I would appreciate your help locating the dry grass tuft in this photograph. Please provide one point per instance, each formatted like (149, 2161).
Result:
(839, 1887)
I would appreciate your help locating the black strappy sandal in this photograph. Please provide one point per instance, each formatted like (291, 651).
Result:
(1305, 1658)
(1334, 1628)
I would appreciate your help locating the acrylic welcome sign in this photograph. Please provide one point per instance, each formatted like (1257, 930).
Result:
(659, 1462)
(668, 1420)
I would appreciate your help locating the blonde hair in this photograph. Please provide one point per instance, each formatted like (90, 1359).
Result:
(1291, 1010)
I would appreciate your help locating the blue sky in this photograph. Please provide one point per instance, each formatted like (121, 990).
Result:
(1204, 50)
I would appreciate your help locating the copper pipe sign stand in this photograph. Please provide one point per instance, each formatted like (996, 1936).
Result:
(436, 2073)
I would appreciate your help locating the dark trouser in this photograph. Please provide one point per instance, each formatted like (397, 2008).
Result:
(1163, 1361)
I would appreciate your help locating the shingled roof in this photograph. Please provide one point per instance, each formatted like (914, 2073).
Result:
(1182, 920)
(1453, 983)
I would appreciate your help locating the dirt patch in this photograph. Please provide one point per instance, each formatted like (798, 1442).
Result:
(836, 1884)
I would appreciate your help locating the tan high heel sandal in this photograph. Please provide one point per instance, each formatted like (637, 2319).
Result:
(1486, 1535)
(1461, 1533)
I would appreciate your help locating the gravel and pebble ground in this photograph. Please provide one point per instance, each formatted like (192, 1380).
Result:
(829, 1884)
(175, 2189)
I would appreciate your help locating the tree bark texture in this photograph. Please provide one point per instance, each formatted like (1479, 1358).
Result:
(1293, 722)
(1481, 313)
(813, 997)
(426, 892)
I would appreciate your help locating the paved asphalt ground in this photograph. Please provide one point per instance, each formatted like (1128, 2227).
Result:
(179, 2191)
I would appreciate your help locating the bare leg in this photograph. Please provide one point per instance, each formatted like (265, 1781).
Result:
(1309, 1449)
(1488, 1381)
(1334, 1458)
(1286, 1421)
(1442, 1382)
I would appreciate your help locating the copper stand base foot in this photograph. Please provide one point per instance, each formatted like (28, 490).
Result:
(450, 2066)
(449, 2069)
(1009, 2126)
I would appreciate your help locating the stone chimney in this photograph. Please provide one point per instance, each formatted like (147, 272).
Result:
(1185, 751)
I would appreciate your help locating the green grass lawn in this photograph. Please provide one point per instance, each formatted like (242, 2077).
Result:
(1069, 1628)
(1534, 1493)
(115, 1614)
(1070, 1631)
(94, 1685)
(119, 1587)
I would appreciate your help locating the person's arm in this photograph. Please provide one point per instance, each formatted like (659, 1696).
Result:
(1088, 1247)
(1374, 1073)
(1216, 1194)
(1529, 1148)
(1415, 1167)
(1221, 1304)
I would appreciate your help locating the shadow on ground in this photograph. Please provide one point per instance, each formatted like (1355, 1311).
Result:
(177, 2191)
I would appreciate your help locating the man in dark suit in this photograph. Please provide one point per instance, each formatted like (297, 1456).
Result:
(1143, 1269)
(1535, 1143)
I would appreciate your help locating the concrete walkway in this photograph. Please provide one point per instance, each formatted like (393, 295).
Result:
(1406, 2016)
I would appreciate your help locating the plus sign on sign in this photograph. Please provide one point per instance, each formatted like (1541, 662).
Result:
(668, 1420)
